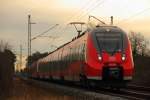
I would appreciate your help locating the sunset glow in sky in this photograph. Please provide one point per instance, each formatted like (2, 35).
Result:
(131, 15)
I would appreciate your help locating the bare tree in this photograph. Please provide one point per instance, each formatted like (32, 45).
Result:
(4, 46)
(7, 60)
(35, 56)
(139, 43)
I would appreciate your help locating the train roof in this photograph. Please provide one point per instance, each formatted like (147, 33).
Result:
(107, 29)
(97, 29)
(77, 37)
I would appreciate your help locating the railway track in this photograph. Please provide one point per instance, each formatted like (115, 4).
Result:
(132, 92)
(137, 95)
(138, 88)
(140, 92)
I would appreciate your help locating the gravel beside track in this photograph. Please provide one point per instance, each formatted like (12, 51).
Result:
(76, 93)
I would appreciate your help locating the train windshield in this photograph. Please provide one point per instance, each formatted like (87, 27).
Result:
(110, 42)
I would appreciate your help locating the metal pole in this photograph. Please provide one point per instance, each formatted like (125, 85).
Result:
(28, 38)
(111, 20)
(20, 57)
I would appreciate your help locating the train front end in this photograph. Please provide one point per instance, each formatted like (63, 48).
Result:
(110, 55)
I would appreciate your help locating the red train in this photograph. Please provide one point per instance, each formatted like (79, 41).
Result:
(100, 56)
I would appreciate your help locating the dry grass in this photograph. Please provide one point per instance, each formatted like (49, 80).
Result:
(24, 91)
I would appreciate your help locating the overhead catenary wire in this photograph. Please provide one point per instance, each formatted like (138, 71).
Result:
(88, 5)
(97, 2)
(134, 15)
(92, 8)
(66, 23)
(92, 4)
(80, 11)
(88, 8)
(44, 32)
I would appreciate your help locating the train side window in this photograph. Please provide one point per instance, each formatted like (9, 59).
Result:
(52, 63)
(41, 67)
(59, 59)
(74, 54)
(60, 63)
(46, 65)
(70, 55)
(67, 58)
(84, 47)
(64, 59)
(79, 49)
(82, 52)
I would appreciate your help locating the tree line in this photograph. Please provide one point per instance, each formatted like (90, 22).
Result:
(140, 45)
(34, 57)
(7, 60)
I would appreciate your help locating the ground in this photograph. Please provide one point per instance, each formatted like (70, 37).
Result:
(25, 91)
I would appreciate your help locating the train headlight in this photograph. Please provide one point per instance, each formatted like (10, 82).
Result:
(99, 57)
(123, 57)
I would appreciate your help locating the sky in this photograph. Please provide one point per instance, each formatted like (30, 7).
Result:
(130, 15)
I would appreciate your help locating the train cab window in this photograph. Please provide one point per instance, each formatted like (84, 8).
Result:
(110, 42)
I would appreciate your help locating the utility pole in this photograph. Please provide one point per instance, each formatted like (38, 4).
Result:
(20, 57)
(29, 38)
(111, 23)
